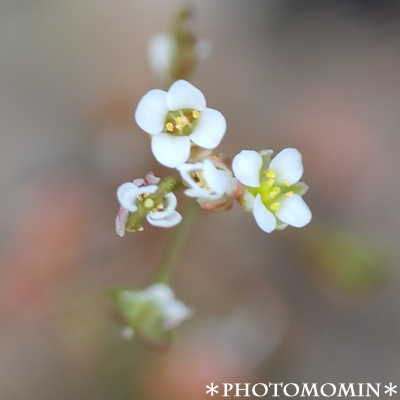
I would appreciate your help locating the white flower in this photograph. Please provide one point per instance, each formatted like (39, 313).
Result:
(162, 215)
(175, 119)
(206, 181)
(160, 301)
(163, 50)
(272, 188)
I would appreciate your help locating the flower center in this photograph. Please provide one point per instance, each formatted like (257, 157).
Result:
(199, 179)
(181, 122)
(271, 192)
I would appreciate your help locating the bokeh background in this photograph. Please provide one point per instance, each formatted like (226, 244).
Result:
(320, 304)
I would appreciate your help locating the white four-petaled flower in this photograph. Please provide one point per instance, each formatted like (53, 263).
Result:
(177, 118)
(272, 188)
(129, 195)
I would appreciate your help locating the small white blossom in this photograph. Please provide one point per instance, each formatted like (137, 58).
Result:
(272, 188)
(206, 181)
(163, 50)
(177, 118)
(162, 304)
(162, 215)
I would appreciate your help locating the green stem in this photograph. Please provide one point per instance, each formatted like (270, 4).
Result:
(176, 241)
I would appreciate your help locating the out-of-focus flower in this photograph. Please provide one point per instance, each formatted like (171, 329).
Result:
(163, 50)
(177, 118)
(211, 182)
(152, 313)
(272, 188)
(163, 214)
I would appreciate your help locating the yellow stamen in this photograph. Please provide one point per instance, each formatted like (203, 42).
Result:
(160, 206)
(275, 206)
(272, 195)
(140, 229)
(289, 194)
(181, 122)
(169, 126)
(276, 189)
(286, 183)
(271, 174)
(195, 114)
(149, 203)
(270, 182)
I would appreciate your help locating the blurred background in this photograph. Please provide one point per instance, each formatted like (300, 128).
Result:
(320, 304)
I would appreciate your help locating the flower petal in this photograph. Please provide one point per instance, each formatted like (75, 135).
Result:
(218, 181)
(160, 292)
(183, 95)
(294, 211)
(161, 50)
(171, 220)
(264, 218)
(150, 189)
(247, 166)
(127, 195)
(209, 130)
(288, 166)
(195, 190)
(151, 111)
(170, 150)
(174, 313)
(172, 202)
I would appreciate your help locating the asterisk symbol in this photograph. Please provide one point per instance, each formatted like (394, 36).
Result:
(212, 389)
(390, 389)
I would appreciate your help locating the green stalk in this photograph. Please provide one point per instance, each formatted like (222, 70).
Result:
(176, 241)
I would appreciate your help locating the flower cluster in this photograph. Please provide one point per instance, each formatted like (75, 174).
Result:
(185, 134)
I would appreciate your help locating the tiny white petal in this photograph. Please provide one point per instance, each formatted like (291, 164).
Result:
(195, 190)
(175, 312)
(264, 218)
(209, 130)
(160, 291)
(161, 50)
(127, 194)
(151, 111)
(168, 222)
(183, 94)
(170, 150)
(172, 202)
(288, 166)
(294, 211)
(247, 166)
(218, 181)
(147, 189)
